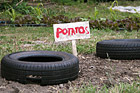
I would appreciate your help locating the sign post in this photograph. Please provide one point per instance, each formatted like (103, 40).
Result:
(72, 31)
(74, 49)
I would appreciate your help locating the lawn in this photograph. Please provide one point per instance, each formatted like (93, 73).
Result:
(14, 39)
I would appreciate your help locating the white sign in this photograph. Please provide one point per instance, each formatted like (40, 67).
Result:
(71, 31)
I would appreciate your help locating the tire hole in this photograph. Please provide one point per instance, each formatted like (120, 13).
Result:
(33, 79)
(40, 59)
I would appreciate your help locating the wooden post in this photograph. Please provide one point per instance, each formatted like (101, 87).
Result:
(74, 49)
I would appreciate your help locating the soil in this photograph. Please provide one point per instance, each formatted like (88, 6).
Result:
(93, 70)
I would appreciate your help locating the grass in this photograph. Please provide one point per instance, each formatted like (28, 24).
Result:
(87, 10)
(13, 39)
(84, 10)
(118, 88)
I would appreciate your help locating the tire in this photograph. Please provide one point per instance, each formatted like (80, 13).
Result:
(120, 49)
(42, 67)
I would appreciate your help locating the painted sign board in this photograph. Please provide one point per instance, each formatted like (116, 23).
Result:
(71, 31)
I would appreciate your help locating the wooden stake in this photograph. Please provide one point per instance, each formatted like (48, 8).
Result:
(74, 49)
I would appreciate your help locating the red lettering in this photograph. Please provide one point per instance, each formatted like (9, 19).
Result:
(87, 30)
(64, 31)
(71, 30)
(81, 30)
(59, 30)
(76, 28)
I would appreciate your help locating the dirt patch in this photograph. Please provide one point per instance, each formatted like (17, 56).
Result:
(93, 70)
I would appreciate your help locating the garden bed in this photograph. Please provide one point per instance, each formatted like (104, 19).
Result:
(128, 24)
(20, 25)
(101, 18)
(93, 71)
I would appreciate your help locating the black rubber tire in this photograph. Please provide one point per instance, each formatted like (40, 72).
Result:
(120, 49)
(27, 67)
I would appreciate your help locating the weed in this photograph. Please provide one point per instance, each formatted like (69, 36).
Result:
(95, 13)
(113, 13)
(38, 12)
(12, 14)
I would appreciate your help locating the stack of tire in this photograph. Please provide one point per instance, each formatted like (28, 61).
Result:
(123, 49)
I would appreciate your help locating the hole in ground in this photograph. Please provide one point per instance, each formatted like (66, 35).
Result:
(40, 59)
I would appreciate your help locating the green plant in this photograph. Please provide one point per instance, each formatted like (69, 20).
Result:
(84, 19)
(113, 13)
(23, 8)
(95, 12)
(137, 14)
(4, 6)
(12, 14)
(26, 19)
(87, 89)
(115, 2)
(37, 11)
(128, 23)
(64, 2)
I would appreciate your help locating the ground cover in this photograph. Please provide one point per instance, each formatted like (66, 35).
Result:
(94, 72)
(99, 15)
(41, 38)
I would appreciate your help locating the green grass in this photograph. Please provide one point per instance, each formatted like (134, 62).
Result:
(118, 88)
(84, 10)
(14, 39)
(87, 10)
